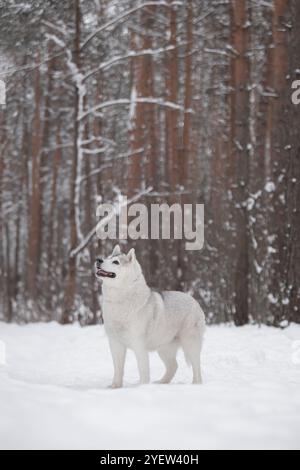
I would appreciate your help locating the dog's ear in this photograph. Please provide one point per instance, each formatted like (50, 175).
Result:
(116, 251)
(131, 255)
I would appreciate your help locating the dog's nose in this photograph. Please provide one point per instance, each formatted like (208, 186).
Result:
(99, 260)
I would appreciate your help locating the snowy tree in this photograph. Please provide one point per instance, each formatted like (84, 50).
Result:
(191, 98)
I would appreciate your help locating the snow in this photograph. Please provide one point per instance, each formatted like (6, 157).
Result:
(270, 187)
(53, 392)
(259, 269)
(132, 111)
(272, 299)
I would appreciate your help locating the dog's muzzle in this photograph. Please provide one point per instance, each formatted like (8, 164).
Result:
(101, 273)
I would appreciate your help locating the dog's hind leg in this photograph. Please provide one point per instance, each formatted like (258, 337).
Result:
(168, 355)
(191, 345)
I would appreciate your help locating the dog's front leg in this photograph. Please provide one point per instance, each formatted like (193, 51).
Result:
(142, 357)
(118, 352)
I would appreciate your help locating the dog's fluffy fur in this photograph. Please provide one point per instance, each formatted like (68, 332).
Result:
(143, 320)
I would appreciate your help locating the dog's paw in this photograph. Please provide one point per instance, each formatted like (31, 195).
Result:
(144, 382)
(162, 382)
(115, 386)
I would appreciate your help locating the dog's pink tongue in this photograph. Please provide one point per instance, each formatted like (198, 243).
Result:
(99, 272)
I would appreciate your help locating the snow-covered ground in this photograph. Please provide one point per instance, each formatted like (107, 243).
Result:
(53, 393)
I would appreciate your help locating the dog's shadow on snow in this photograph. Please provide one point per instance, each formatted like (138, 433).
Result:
(97, 386)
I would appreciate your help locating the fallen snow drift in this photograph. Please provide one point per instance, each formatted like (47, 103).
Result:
(53, 393)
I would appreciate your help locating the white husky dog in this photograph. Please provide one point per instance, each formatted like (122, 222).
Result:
(138, 318)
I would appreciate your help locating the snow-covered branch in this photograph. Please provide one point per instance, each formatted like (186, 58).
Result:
(130, 55)
(126, 102)
(125, 15)
(216, 51)
(31, 67)
(109, 163)
(94, 151)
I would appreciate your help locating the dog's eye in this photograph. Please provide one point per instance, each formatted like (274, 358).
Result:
(116, 262)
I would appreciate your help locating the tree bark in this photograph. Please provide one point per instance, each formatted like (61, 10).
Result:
(34, 232)
(293, 191)
(172, 140)
(72, 265)
(239, 157)
(187, 166)
(143, 165)
(277, 156)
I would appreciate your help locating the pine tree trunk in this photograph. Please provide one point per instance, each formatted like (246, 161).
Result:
(186, 165)
(3, 271)
(239, 157)
(277, 156)
(293, 192)
(34, 232)
(72, 267)
(53, 203)
(143, 165)
(172, 140)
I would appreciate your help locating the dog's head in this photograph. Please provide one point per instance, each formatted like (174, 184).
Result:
(118, 268)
